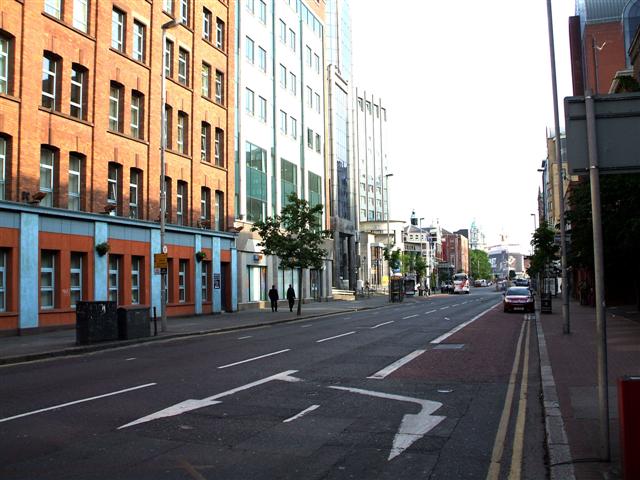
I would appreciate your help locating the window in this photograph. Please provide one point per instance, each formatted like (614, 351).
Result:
(3, 167)
(256, 175)
(309, 97)
(262, 59)
(248, 49)
(249, 101)
(47, 279)
(139, 41)
(81, 15)
(262, 109)
(184, 12)
(283, 122)
(47, 175)
(167, 193)
(205, 203)
(137, 114)
(114, 277)
(183, 66)
(182, 281)
(292, 40)
(219, 34)
(5, 64)
(219, 210)
(75, 279)
(288, 179)
(113, 186)
(219, 147)
(181, 202)
(77, 99)
(318, 143)
(135, 192)
(205, 142)
(294, 128)
(293, 83)
(283, 31)
(316, 98)
(136, 269)
(219, 87)
(262, 11)
(206, 24)
(168, 125)
(53, 8)
(309, 138)
(115, 107)
(50, 81)
(117, 30)
(168, 59)
(283, 76)
(308, 50)
(251, 5)
(316, 62)
(3, 281)
(167, 6)
(205, 280)
(206, 80)
(183, 129)
(75, 181)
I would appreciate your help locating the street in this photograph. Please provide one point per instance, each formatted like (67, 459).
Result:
(444, 387)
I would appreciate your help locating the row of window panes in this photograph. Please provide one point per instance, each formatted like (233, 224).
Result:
(291, 37)
(205, 145)
(118, 35)
(207, 34)
(288, 125)
(80, 19)
(313, 100)
(52, 81)
(249, 96)
(206, 84)
(362, 104)
(183, 9)
(310, 138)
(250, 54)
(258, 8)
(292, 80)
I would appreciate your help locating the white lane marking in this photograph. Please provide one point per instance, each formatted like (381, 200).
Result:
(306, 326)
(336, 336)
(302, 413)
(129, 359)
(455, 304)
(396, 365)
(244, 338)
(413, 426)
(255, 358)
(444, 308)
(447, 318)
(464, 303)
(381, 324)
(192, 404)
(461, 326)
(62, 405)
(410, 316)
(346, 318)
(430, 311)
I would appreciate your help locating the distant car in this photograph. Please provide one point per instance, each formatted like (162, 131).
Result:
(521, 282)
(480, 283)
(447, 287)
(518, 299)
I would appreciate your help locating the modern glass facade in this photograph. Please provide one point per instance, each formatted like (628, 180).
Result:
(256, 174)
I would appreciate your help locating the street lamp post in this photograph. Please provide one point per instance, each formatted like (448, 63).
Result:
(425, 271)
(163, 191)
(386, 179)
(544, 194)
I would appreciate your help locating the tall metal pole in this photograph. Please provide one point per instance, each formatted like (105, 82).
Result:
(163, 192)
(424, 280)
(598, 263)
(386, 178)
(566, 326)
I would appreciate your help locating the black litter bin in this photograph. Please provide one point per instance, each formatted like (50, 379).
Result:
(96, 321)
(545, 303)
(134, 322)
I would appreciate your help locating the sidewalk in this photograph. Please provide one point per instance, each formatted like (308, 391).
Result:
(572, 361)
(37, 346)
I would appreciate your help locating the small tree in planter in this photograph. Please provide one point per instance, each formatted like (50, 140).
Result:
(103, 248)
(200, 256)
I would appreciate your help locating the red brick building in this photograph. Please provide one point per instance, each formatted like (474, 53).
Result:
(80, 140)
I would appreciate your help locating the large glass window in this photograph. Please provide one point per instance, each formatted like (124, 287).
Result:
(117, 29)
(206, 24)
(219, 87)
(5, 62)
(205, 273)
(47, 279)
(81, 15)
(3, 167)
(283, 76)
(262, 109)
(206, 80)
(219, 147)
(294, 128)
(184, 12)
(292, 40)
(115, 107)
(167, 6)
(136, 269)
(219, 210)
(220, 34)
(139, 41)
(168, 58)
(182, 281)
(50, 69)
(75, 279)
(181, 202)
(168, 126)
(262, 59)
(183, 133)
(47, 175)
(257, 283)
(288, 180)
(256, 160)
(75, 181)
(249, 46)
(262, 11)
(113, 186)
(137, 114)
(114, 278)
(249, 97)
(293, 83)
(183, 66)
(205, 142)
(135, 190)
(78, 91)
(53, 7)
(283, 122)
(205, 204)
(283, 31)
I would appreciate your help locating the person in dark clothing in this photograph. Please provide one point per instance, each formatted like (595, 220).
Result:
(291, 296)
(274, 297)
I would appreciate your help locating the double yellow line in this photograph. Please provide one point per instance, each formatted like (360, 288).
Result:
(518, 437)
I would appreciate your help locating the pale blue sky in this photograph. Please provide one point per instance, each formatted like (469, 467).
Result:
(467, 87)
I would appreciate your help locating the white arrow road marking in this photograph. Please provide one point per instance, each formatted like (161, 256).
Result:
(302, 413)
(396, 365)
(188, 405)
(413, 426)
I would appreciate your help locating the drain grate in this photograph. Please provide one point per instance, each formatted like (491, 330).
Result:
(449, 346)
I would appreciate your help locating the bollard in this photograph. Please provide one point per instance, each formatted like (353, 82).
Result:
(629, 416)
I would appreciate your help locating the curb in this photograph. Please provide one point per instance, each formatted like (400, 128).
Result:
(558, 448)
(97, 347)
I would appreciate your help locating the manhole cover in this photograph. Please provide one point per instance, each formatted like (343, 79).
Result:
(449, 346)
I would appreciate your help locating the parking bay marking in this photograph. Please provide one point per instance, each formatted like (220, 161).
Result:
(413, 426)
(191, 404)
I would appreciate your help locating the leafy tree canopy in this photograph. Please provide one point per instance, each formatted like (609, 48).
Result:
(544, 249)
(479, 265)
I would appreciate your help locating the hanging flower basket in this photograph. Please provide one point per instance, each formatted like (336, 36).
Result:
(102, 248)
(200, 256)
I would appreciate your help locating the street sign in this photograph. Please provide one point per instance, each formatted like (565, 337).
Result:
(160, 260)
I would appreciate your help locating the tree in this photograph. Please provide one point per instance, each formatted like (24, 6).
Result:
(479, 266)
(421, 267)
(545, 250)
(295, 236)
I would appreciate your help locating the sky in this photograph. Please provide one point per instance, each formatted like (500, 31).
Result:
(467, 87)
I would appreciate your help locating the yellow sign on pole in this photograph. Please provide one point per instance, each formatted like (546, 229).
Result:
(160, 260)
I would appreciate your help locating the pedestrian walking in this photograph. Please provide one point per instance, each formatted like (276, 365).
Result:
(291, 296)
(274, 297)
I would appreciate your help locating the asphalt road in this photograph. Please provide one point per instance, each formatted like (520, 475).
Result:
(395, 392)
